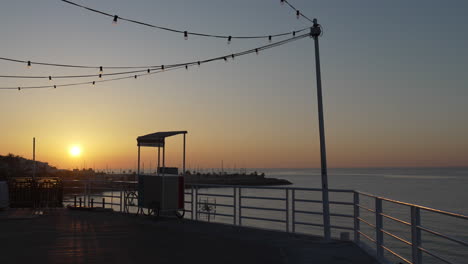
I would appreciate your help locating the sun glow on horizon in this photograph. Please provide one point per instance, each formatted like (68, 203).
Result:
(75, 151)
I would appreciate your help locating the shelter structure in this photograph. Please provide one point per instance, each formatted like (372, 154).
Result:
(158, 140)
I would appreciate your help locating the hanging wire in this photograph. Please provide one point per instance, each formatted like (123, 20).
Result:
(298, 12)
(184, 32)
(167, 67)
(100, 75)
(100, 68)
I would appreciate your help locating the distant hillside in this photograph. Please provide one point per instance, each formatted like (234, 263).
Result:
(17, 166)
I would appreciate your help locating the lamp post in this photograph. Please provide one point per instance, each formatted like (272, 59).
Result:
(315, 33)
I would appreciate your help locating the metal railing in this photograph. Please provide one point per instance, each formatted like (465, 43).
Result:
(415, 225)
(293, 210)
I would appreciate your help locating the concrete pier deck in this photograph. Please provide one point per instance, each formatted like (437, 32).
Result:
(64, 236)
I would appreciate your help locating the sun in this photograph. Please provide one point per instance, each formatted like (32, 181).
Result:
(75, 151)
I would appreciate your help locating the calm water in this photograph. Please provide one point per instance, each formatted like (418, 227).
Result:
(441, 188)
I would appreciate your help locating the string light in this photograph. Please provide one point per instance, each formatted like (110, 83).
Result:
(185, 35)
(298, 13)
(167, 67)
(172, 29)
(29, 65)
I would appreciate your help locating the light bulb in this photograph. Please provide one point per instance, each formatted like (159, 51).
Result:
(50, 78)
(198, 62)
(162, 67)
(185, 35)
(282, 2)
(232, 56)
(114, 22)
(100, 69)
(136, 76)
(19, 88)
(256, 51)
(225, 59)
(186, 66)
(229, 39)
(269, 39)
(298, 14)
(100, 76)
(149, 70)
(29, 64)
(55, 86)
(94, 83)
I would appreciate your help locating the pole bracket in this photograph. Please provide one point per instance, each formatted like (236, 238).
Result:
(316, 29)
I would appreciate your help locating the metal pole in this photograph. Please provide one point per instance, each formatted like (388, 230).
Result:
(378, 228)
(287, 210)
(293, 215)
(164, 159)
(159, 159)
(357, 224)
(416, 235)
(184, 156)
(138, 167)
(315, 32)
(34, 158)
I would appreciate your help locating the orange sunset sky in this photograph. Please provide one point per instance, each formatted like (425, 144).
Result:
(391, 98)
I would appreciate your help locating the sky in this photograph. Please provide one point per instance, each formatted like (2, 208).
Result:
(394, 84)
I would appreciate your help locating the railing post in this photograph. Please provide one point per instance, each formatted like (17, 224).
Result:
(293, 213)
(416, 235)
(192, 204)
(378, 227)
(235, 204)
(357, 226)
(287, 210)
(240, 206)
(196, 202)
(121, 201)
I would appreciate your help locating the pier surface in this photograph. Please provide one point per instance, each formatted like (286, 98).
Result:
(64, 236)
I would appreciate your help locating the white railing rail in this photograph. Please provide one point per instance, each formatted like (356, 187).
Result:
(290, 207)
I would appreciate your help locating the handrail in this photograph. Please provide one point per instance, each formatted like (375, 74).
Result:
(465, 217)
